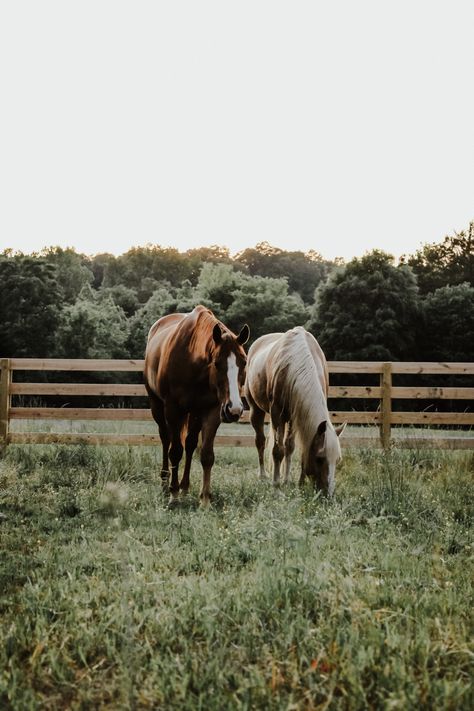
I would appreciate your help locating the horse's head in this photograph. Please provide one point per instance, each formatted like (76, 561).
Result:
(325, 452)
(228, 370)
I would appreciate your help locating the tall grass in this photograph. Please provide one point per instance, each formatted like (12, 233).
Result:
(272, 599)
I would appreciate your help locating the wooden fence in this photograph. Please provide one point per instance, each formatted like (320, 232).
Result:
(381, 396)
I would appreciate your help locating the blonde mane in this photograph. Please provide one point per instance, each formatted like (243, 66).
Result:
(299, 380)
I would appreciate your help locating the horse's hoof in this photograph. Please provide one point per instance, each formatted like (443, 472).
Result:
(204, 504)
(173, 502)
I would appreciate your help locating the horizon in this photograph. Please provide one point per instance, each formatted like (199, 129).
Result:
(232, 255)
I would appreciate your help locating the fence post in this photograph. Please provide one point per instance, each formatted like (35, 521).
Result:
(5, 400)
(386, 404)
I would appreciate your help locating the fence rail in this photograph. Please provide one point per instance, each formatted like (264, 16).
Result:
(380, 396)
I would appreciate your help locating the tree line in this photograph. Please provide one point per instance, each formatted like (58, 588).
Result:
(59, 303)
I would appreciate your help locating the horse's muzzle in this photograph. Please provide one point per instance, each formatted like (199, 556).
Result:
(228, 416)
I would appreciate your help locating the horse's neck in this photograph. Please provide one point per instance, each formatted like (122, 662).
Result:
(305, 391)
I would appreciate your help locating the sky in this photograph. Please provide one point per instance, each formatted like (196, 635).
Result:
(336, 126)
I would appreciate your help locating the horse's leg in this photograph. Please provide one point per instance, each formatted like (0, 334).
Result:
(194, 427)
(302, 476)
(176, 420)
(209, 429)
(277, 450)
(289, 446)
(157, 410)
(257, 418)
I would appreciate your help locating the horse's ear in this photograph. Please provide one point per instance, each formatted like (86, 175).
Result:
(339, 430)
(320, 438)
(244, 335)
(217, 334)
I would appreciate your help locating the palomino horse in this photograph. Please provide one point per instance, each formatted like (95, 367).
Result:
(194, 370)
(287, 376)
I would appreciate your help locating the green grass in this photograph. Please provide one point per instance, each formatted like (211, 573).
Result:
(272, 599)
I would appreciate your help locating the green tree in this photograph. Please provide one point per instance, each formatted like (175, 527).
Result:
(122, 296)
(196, 259)
(99, 264)
(145, 268)
(368, 310)
(93, 327)
(165, 300)
(449, 262)
(304, 272)
(217, 286)
(73, 270)
(31, 303)
(449, 324)
(238, 298)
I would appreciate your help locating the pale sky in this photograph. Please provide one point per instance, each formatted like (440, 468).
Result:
(339, 126)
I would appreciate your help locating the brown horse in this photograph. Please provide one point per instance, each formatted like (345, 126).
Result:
(194, 371)
(287, 376)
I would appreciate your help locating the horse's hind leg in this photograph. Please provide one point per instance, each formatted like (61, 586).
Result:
(209, 429)
(289, 448)
(157, 411)
(277, 450)
(194, 427)
(257, 418)
(176, 421)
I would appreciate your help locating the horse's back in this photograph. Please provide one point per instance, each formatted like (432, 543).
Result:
(259, 358)
(158, 338)
(268, 360)
(319, 360)
(176, 351)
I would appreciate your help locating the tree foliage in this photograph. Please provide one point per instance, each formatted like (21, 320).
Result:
(144, 268)
(262, 302)
(449, 324)
(367, 310)
(73, 270)
(447, 263)
(93, 327)
(31, 302)
(59, 302)
(303, 271)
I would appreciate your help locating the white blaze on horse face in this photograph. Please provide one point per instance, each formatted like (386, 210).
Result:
(235, 403)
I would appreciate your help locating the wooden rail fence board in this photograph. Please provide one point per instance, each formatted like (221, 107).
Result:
(355, 418)
(106, 390)
(385, 404)
(5, 400)
(82, 438)
(432, 418)
(79, 413)
(413, 393)
(84, 364)
(353, 391)
(352, 367)
(433, 368)
(381, 414)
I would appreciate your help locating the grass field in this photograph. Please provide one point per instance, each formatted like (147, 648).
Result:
(272, 599)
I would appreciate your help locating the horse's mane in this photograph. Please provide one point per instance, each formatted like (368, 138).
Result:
(202, 324)
(298, 379)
